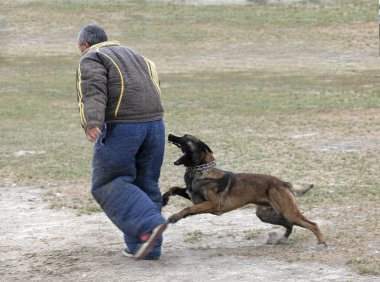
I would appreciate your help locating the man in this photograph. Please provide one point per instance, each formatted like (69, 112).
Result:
(120, 110)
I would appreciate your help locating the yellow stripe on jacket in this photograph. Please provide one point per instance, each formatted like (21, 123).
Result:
(153, 74)
(80, 98)
(121, 81)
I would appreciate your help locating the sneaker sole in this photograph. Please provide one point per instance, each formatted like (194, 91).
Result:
(148, 245)
(127, 254)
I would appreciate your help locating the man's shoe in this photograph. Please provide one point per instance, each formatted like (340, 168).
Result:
(149, 241)
(127, 253)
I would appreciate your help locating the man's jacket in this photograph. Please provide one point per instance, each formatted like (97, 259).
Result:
(117, 85)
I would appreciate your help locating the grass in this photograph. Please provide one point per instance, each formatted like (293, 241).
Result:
(251, 234)
(249, 80)
(76, 198)
(362, 267)
(194, 237)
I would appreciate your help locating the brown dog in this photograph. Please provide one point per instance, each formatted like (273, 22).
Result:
(216, 191)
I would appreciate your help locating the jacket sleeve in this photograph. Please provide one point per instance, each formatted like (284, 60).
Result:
(91, 92)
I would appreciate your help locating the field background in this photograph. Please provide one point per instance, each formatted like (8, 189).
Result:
(290, 89)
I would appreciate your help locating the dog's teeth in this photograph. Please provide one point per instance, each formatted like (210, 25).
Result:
(178, 145)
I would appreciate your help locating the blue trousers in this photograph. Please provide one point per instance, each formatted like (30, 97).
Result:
(126, 167)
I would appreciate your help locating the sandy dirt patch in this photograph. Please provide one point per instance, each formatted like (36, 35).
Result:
(39, 243)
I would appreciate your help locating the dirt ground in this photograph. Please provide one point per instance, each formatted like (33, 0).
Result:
(39, 245)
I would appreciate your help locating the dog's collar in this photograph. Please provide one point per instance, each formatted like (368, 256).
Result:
(203, 167)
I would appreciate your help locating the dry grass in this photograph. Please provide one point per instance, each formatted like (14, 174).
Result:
(76, 197)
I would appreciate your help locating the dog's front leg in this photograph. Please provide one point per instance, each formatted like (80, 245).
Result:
(172, 192)
(205, 207)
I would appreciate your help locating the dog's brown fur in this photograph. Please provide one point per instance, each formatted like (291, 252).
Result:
(215, 191)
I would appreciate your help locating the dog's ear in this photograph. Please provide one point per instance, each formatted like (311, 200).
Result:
(206, 147)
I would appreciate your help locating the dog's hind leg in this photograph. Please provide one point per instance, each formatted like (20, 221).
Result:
(283, 202)
(266, 213)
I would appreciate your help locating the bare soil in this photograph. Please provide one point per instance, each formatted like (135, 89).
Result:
(43, 244)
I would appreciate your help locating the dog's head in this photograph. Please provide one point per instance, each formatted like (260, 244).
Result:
(195, 152)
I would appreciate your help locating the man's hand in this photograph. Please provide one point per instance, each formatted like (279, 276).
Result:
(92, 133)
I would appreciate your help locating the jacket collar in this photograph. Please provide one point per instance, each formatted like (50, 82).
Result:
(101, 44)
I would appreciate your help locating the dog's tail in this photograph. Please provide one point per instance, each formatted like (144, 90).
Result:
(299, 190)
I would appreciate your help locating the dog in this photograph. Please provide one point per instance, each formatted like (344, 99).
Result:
(213, 190)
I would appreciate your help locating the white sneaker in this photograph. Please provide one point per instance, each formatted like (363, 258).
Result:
(127, 253)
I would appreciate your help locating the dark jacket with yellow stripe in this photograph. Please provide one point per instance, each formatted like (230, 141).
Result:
(116, 84)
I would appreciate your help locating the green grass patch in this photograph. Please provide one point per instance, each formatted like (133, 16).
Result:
(237, 113)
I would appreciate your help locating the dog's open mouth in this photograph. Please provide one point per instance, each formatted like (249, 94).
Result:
(177, 141)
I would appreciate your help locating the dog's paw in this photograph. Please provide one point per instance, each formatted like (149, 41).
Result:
(320, 247)
(165, 199)
(174, 218)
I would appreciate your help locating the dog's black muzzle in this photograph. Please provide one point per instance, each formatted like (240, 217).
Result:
(178, 141)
